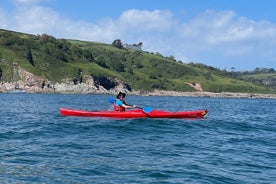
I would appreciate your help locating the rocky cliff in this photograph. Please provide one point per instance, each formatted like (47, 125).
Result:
(31, 83)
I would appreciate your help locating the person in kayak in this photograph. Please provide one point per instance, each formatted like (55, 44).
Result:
(120, 104)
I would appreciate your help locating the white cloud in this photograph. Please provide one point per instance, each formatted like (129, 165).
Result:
(37, 20)
(144, 20)
(26, 2)
(225, 37)
(216, 38)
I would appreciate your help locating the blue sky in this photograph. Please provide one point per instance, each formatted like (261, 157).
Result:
(218, 33)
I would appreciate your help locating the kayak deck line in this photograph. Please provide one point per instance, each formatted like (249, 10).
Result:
(136, 113)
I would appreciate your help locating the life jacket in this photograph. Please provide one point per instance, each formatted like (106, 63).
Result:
(119, 107)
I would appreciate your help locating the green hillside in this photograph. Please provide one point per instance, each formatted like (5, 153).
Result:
(58, 59)
(264, 76)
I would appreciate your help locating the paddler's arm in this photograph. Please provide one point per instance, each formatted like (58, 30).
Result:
(128, 106)
(120, 103)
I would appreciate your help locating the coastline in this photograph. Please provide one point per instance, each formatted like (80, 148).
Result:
(212, 94)
(79, 89)
(30, 83)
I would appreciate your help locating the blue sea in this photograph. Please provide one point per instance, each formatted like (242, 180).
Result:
(234, 143)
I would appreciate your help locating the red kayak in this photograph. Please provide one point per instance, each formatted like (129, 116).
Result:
(137, 113)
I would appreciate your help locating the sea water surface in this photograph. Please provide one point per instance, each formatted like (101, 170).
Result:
(234, 143)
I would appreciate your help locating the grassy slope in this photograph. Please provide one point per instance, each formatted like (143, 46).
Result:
(260, 76)
(57, 59)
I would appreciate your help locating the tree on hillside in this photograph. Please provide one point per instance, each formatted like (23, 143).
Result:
(117, 43)
(117, 66)
(80, 75)
(57, 53)
(88, 55)
(8, 39)
(100, 61)
(140, 44)
(0, 73)
(47, 38)
(158, 54)
(29, 56)
(172, 58)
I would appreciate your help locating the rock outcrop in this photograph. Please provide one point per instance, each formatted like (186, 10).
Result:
(30, 83)
(196, 86)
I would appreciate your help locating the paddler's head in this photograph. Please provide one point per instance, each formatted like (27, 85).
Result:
(121, 95)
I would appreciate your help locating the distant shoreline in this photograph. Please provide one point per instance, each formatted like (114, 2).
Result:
(170, 93)
(64, 88)
(212, 94)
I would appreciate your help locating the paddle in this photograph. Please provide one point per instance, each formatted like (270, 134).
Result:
(145, 109)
